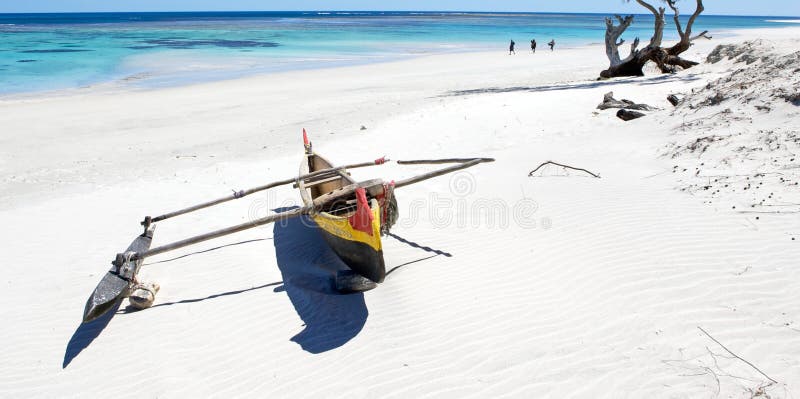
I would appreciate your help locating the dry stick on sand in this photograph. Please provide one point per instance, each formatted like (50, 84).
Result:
(563, 166)
(735, 355)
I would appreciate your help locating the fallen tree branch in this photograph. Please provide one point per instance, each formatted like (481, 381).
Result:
(563, 166)
(610, 102)
(735, 355)
(675, 60)
(704, 35)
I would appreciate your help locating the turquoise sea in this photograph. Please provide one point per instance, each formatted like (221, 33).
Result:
(56, 51)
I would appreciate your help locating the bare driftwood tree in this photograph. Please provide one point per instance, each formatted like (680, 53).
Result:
(666, 58)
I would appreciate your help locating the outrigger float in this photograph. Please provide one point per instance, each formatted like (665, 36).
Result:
(351, 216)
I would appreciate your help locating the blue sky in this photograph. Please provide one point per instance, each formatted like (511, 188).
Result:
(737, 7)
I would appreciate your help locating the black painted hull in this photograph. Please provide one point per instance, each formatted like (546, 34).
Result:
(358, 256)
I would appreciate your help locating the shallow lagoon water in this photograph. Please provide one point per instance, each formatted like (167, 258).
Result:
(56, 51)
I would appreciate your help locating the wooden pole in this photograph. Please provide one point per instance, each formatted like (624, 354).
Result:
(244, 193)
(440, 161)
(319, 203)
(467, 163)
(223, 232)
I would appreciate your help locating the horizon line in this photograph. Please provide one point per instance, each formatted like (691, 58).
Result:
(375, 11)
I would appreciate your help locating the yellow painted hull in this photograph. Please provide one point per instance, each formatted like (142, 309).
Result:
(340, 227)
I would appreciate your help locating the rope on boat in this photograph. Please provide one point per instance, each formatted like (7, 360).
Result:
(391, 212)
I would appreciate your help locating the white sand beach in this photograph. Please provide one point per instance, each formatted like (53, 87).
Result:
(501, 285)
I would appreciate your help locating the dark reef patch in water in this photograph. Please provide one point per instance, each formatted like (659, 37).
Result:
(54, 50)
(189, 44)
(125, 36)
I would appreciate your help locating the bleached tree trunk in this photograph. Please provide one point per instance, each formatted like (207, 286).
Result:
(613, 32)
(658, 29)
(633, 64)
(665, 58)
(685, 35)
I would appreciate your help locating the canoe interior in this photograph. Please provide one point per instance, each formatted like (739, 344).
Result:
(314, 163)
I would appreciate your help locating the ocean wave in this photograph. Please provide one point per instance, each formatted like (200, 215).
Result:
(784, 21)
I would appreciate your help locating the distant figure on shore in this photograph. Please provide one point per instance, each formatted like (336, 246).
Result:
(552, 44)
(533, 45)
(511, 48)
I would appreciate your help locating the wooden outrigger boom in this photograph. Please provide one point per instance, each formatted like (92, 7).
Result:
(324, 206)
(244, 193)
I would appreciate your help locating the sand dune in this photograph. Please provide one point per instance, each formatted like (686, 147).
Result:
(500, 285)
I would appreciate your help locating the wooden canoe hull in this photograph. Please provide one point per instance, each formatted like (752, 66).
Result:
(361, 251)
(358, 256)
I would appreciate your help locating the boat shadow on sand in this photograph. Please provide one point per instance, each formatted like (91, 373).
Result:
(309, 267)
(86, 334)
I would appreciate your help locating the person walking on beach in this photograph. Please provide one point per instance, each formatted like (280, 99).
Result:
(511, 48)
(533, 45)
(552, 44)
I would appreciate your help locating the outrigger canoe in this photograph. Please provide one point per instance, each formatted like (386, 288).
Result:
(351, 216)
(351, 227)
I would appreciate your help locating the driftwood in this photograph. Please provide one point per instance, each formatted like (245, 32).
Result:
(627, 115)
(610, 102)
(563, 166)
(666, 58)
